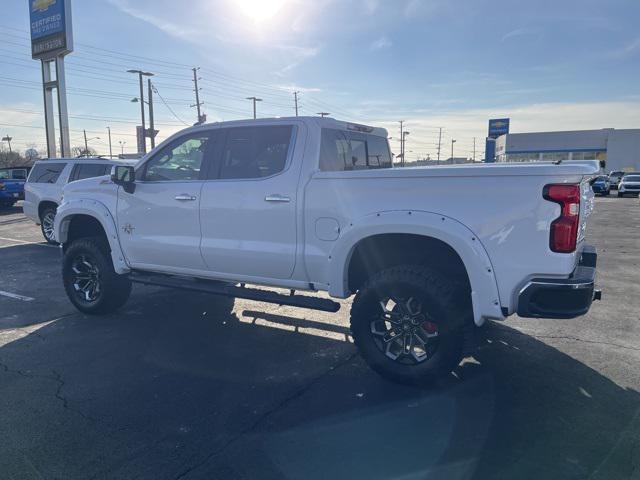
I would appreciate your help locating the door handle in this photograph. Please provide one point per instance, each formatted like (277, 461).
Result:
(277, 198)
(183, 197)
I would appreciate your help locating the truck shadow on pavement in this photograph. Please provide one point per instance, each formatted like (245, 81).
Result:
(179, 386)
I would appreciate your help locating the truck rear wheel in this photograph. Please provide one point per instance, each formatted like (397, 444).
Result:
(408, 324)
(89, 279)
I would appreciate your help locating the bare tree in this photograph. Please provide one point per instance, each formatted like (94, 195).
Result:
(82, 152)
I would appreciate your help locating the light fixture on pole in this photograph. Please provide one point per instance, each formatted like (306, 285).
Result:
(323, 114)
(254, 100)
(140, 74)
(122, 144)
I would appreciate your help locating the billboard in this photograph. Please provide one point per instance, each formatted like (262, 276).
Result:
(498, 126)
(50, 28)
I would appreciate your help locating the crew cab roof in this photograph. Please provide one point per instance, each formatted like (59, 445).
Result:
(322, 122)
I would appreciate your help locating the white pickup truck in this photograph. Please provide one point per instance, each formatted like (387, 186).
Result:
(310, 204)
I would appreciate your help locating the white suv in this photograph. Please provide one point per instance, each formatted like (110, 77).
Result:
(43, 190)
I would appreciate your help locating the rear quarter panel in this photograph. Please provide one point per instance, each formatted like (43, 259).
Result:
(503, 208)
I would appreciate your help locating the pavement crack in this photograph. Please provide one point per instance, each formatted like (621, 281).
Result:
(262, 418)
(572, 339)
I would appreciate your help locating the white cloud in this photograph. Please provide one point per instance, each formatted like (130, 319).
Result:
(172, 28)
(629, 50)
(520, 32)
(381, 43)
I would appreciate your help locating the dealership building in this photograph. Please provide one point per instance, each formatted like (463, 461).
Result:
(620, 148)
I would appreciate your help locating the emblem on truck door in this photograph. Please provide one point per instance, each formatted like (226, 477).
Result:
(128, 228)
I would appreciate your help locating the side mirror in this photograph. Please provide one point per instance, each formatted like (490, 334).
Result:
(125, 176)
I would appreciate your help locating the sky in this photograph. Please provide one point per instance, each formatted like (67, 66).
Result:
(547, 65)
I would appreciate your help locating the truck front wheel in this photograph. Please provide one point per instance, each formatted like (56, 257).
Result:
(89, 279)
(408, 324)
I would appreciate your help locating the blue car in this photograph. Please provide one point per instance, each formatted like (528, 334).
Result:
(601, 185)
(12, 185)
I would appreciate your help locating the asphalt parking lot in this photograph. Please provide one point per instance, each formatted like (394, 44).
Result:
(183, 385)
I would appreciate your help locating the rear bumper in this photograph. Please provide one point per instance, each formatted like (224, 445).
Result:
(562, 298)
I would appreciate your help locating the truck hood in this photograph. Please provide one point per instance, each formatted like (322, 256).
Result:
(93, 188)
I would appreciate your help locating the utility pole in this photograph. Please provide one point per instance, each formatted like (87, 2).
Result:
(254, 100)
(401, 142)
(140, 75)
(295, 98)
(201, 118)
(452, 142)
(8, 140)
(152, 131)
(474, 149)
(404, 145)
(439, 144)
(86, 144)
(323, 114)
(110, 151)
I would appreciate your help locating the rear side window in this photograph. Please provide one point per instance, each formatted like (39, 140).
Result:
(255, 152)
(19, 174)
(46, 172)
(89, 170)
(342, 150)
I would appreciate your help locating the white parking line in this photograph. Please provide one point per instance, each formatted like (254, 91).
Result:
(24, 242)
(16, 296)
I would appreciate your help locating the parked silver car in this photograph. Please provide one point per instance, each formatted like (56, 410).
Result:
(629, 185)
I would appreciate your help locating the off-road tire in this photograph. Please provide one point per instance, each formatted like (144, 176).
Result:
(114, 289)
(444, 304)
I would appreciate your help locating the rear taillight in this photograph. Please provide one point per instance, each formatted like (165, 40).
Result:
(564, 229)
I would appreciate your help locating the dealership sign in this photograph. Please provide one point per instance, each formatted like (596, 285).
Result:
(498, 126)
(51, 34)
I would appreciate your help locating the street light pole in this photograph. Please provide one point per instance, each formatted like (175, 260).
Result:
(86, 145)
(254, 99)
(140, 75)
(295, 97)
(152, 131)
(122, 144)
(452, 142)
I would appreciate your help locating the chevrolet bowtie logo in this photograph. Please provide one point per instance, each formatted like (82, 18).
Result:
(41, 5)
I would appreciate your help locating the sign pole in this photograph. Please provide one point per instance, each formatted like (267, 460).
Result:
(63, 115)
(48, 108)
(51, 40)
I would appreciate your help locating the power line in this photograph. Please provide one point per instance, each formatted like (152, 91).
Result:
(168, 107)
